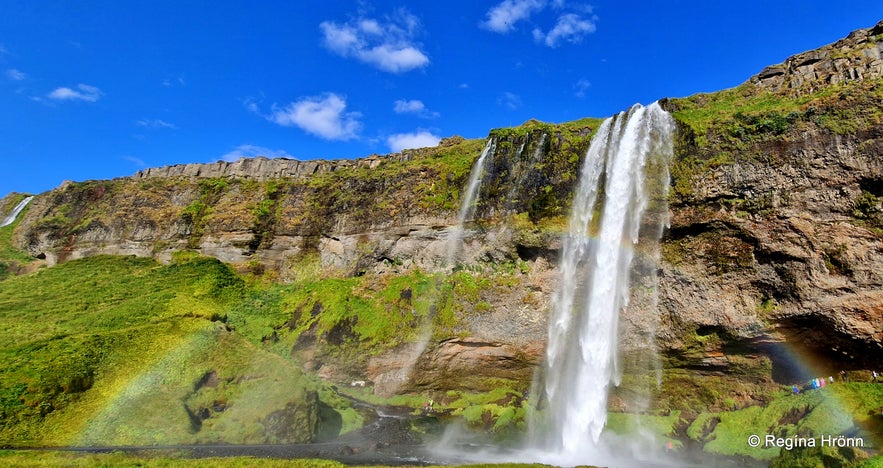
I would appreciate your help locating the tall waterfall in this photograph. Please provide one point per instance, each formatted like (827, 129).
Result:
(625, 170)
(468, 203)
(15, 211)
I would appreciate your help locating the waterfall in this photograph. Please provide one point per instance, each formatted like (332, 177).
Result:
(468, 203)
(624, 171)
(15, 211)
(411, 355)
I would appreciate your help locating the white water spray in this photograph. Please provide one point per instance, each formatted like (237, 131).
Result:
(15, 211)
(581, 354)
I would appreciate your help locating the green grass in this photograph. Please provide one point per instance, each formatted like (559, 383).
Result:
(111, 350)
(169, 458)
(146, 458)
(833, 410)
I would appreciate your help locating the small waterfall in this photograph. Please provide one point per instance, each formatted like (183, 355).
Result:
(468, 203)
(625, 170)
(412, 354)
(539, 149)
(521, 170)
(15, 211)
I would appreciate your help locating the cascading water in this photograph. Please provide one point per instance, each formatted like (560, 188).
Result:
(412, 353)
(606, 222)
(15, 211)
(468, 203)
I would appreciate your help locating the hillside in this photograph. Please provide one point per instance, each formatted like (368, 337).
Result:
(771, 273)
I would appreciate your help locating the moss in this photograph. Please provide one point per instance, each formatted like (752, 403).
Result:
(866, 206)
(766, 306)
(661, 427)
(501, 410)
(734, 125)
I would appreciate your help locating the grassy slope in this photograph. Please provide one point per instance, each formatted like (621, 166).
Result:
(110, 350)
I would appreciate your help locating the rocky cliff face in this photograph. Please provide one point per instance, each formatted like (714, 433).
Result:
(776, 232)
(262, 169)
(858, 56)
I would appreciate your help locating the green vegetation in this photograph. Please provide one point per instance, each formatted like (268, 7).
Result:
(147, 459)
(121, 350)
(10, 256)
(662, 428)
(833, 410)
(210, 191)
(733, 125)
(173, 458)
(502, 411)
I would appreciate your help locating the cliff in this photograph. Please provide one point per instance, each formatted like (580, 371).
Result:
(859, 56)
(261, 168)
(776, 236)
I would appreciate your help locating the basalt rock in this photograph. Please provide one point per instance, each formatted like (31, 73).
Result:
(858, 56)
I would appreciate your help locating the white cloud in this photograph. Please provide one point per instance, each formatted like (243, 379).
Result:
(574, 22)
(581, 87)
(155, 123)
(251, 151)
(16, 75)
(502, 18)
(323, 116)
(418, 139)
(570, 27)
(82, 93)
(387, 45)
(510, 100)
(414, 106)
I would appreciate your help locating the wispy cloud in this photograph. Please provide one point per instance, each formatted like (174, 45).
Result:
(388, 45)
(570, 27)
(169, 82)
(415, 107)
(251, 151)
(510, 100)
(581, 87)
(138, 162)
(82, 93)
(324, 116)
(418, 139)
(155, 123)
(16, 75)
(502, 18)
(574, 20)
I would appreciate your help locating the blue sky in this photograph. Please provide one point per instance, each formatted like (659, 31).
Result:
(101, 89)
